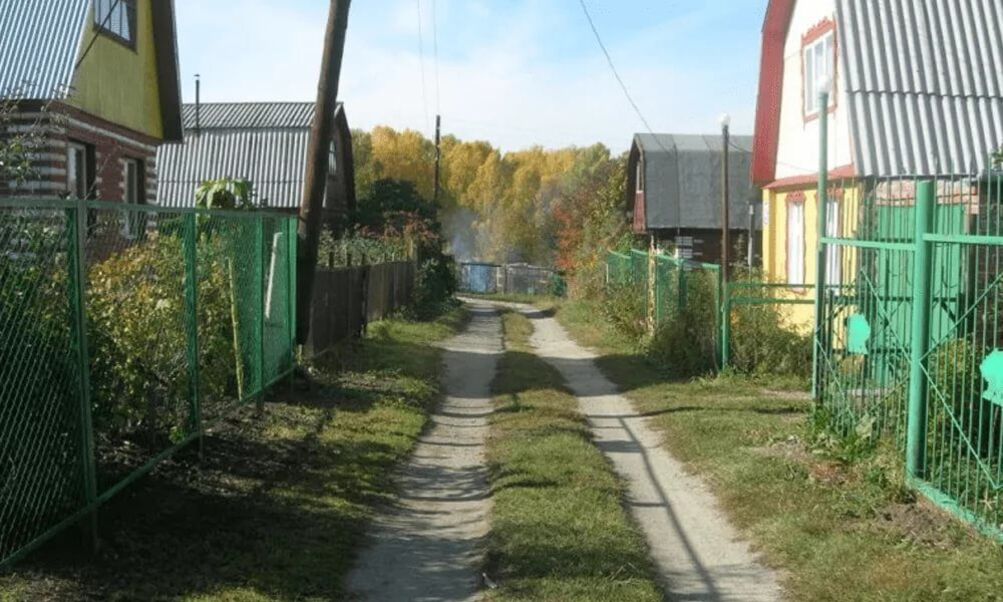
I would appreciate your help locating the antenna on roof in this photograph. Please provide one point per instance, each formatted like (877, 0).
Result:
(198, 104)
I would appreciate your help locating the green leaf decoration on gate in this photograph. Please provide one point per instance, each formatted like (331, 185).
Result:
(858, 333)
(992, 372)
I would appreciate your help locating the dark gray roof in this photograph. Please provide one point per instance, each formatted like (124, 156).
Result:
(39, 44)
(263, 142)
(924, 84)
(250, 115)
(683, 180)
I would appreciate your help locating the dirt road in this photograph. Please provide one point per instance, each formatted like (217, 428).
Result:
(429, 546)
(697, 552)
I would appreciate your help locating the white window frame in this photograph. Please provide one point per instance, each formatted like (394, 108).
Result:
(76, 171)
(819, 64)
(796, 244)
(640, 177)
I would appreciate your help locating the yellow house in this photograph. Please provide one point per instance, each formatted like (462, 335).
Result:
(100, 77)
(898, 108)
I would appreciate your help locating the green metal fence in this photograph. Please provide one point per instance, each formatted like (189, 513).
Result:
(672, 290)
(748, 301)
(124, 330)
(912, 349)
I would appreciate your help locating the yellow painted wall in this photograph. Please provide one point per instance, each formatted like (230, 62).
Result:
(802, 317)
(120, 84)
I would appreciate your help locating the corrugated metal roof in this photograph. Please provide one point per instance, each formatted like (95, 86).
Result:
(39, 44)
(924, 81)
(250, 115)
(683, 180)
(275, 160)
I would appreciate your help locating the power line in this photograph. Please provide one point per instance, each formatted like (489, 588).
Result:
(435, 52)
(421, 62)
(612, 66)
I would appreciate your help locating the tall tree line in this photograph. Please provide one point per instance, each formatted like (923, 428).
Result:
(536, 205)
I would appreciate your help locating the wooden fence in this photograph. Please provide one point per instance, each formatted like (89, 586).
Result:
(346, 299)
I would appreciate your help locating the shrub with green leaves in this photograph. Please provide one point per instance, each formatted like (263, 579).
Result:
(435, 287)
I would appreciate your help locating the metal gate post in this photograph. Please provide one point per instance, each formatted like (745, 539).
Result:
(821, 202)
(926, 200)
(191, 313)
(259, 274)
(76, 238)
(726, 326)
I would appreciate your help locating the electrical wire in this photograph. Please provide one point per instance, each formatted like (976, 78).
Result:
(102, 25)
(421, 62)
(435, 53)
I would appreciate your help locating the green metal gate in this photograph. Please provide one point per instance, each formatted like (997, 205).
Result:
(910, 347)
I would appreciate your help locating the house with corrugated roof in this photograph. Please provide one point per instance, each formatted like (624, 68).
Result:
(675, 192)
(98, 80)
(265, 143)
(916, 91)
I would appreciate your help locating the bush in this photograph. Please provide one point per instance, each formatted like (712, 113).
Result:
(763, 344)
(138, 334)
(625, 306)
(685, 342)
(435, 287)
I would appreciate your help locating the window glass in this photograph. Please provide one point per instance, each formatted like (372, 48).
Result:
(640, 176)
(819, 65)
(116, 17)
(332, 159)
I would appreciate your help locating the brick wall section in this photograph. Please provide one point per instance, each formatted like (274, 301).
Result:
(112, 145)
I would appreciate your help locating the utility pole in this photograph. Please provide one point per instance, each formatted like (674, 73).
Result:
(438, 157)
(822, 201)
(725, 196)
(312, 205)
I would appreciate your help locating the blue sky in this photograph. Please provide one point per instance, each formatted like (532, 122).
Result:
(513, 72)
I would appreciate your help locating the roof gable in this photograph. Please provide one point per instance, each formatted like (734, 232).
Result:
(683, 180)
(41, 42)
(920, 79)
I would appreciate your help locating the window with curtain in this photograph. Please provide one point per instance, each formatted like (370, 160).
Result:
(795, 244)
(116, 18)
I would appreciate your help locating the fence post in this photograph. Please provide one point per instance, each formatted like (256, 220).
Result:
(725, 325)
(926, 200)
(683, 292)
(191, 313)
(259, 275)
(76, 238)
(822, 203)
(292, 239)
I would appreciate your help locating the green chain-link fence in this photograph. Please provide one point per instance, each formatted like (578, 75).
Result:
(669, 291)
(913, 349)
(123, 331)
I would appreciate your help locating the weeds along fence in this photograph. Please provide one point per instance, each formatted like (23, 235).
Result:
(674, 300)
(913, 349)
(124, 330)
(346, 299)
(757, 336)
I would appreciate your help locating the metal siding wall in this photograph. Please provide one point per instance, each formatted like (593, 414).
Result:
(39, 43)
(923, 84)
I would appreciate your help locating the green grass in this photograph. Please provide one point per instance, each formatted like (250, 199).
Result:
(280, 504)
(512, 298)
(842, 527)
(559, 530)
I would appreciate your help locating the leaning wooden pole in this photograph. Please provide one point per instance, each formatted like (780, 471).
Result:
(312, 205)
